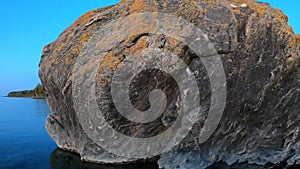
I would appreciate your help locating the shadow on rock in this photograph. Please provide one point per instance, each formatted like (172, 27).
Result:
(61, 159)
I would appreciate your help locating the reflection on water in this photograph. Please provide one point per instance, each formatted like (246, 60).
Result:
(65, 160)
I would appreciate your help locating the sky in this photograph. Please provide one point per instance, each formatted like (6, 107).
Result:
(28, 25)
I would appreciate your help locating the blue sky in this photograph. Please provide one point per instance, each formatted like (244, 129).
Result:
(28, 25)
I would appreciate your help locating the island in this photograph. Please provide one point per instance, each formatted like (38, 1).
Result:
(37, 93)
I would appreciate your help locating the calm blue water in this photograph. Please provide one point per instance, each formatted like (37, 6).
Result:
(25, 144)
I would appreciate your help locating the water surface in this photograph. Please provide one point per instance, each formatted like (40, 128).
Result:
(25, 144)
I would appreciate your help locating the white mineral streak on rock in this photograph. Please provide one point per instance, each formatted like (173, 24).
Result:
(234, 6)
(244, 5)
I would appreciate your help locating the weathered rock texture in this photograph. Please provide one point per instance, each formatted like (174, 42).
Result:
(260, 54)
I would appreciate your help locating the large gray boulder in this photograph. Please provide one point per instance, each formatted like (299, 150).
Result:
(241, 51)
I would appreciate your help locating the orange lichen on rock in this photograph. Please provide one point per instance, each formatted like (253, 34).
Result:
(75, 50)
(295, 41)
(109, 62)
(85, 18)
(292, 58)
(239, 2)
(61, 43)
(290, 28)
(262, 10)
(280, 16)
(102, 81)
(237, 11)
(291, 43)
(84, 38)
(298, 42)
(141, 6)
(68, 60)
(135, 6)
(171, 43)
(140, 45)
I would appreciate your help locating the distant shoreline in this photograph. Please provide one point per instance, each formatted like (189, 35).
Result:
(24, 97)
(37, 93)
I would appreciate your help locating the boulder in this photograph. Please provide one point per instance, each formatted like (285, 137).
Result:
(225, 73)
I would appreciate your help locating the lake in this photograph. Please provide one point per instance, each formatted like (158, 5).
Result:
(25, 144)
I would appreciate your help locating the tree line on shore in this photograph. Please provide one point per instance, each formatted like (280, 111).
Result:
(37, 92)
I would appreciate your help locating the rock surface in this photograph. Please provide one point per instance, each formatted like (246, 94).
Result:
(260, 55)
